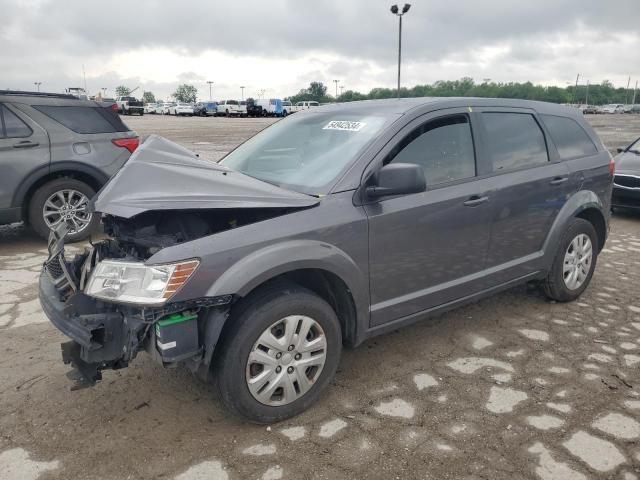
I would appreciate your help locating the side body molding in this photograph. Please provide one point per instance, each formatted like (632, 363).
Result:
(273, 260)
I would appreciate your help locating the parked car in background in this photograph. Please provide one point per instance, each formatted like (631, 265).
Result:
(611, 108)
(130, 106)
(271, 107)
(298, 107)
(199, 109)
(56, 151)
(255, 271)
(253, 109)
(159, 108)
(588, 109)
(626, 183)
(632, 109)
(181, 109)
(211, 108)
(231, 107)
(166, 107)
(286, 108)
(150, 108)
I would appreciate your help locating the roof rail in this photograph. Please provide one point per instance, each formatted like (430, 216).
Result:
(37, 94)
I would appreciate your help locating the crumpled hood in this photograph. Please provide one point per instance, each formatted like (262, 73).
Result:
(628, 163)
(162, 175)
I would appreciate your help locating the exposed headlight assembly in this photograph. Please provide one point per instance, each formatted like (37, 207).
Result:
(134, 282)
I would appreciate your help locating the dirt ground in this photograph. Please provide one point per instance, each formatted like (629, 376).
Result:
(513, 387)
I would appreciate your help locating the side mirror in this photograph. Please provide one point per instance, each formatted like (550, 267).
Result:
(621, 149)
(397, 179)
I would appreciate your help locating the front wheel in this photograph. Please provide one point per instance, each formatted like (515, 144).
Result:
(281, 352)
(574, 263)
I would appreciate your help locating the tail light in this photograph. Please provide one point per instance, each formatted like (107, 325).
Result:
(129, 143)
(612, 167)
(114, 107)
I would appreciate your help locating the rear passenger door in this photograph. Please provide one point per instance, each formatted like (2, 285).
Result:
(24, 148)
(530, 189)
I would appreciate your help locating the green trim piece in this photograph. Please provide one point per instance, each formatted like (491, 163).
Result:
(177, 318)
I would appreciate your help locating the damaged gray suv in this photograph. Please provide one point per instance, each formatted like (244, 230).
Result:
(327, 228)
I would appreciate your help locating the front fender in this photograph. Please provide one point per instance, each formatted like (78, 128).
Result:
(269, 262)
(578, 202)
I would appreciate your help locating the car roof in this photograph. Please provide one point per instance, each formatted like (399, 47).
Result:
(405, 105)
(29, 98)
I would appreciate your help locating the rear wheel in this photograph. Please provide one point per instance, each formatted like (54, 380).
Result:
(574, 263)
(281, 352)
(63, 200)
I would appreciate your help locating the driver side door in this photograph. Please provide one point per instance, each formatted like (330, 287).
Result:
(426, 249)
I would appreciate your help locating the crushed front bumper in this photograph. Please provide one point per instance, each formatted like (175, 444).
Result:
(101, 336)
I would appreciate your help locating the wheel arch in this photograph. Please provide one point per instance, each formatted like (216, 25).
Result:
(583, 204)
(87, 174)
(322, 268)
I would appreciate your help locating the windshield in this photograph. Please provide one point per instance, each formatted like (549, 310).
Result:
(306, 153)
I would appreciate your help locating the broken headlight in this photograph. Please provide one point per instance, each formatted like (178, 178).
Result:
(134, 282)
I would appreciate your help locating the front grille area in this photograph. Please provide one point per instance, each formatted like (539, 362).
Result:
(627, 181)
(53, 267)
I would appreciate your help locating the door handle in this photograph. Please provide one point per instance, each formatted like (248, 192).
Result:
(25, 144)
(559, 180)
(476, 200)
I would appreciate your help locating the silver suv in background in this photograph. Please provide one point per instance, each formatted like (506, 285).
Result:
(56, 152)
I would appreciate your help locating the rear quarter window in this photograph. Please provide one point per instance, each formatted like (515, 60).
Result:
(84, 119)
(569, 137)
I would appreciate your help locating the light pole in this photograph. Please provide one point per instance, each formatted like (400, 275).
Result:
(37, 84)
(210, 83)
(399, 14)
(242, 88)
(575, 91)
(336, 82)
(586, 100)
(341, 90)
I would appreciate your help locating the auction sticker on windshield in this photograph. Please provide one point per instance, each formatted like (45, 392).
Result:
(344, 125)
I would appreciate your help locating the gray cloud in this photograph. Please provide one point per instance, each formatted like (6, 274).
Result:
(442, 39)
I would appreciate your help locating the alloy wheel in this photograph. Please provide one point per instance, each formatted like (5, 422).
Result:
(577, 261)
(69, 206)
(286, 360)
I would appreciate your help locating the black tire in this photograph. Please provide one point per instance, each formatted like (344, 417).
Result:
(554, 285)
(36, 204)
(249, 319)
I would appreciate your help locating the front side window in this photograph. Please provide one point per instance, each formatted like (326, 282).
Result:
(515, 140)
(13, 126)
(307, 153)
(442, 147)
(569, 137)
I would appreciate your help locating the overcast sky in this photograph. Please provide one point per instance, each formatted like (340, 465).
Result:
(282, 45)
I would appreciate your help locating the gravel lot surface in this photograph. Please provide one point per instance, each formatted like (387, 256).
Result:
(513, 387)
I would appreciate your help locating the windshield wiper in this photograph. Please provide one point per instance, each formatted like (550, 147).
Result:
(637, 152)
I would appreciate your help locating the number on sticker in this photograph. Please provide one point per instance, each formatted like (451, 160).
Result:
(345, 125)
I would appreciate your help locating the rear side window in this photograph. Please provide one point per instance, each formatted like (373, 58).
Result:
(85, 119)
(12, 126)
(443, 148)
(569, 137)
(515, 140)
